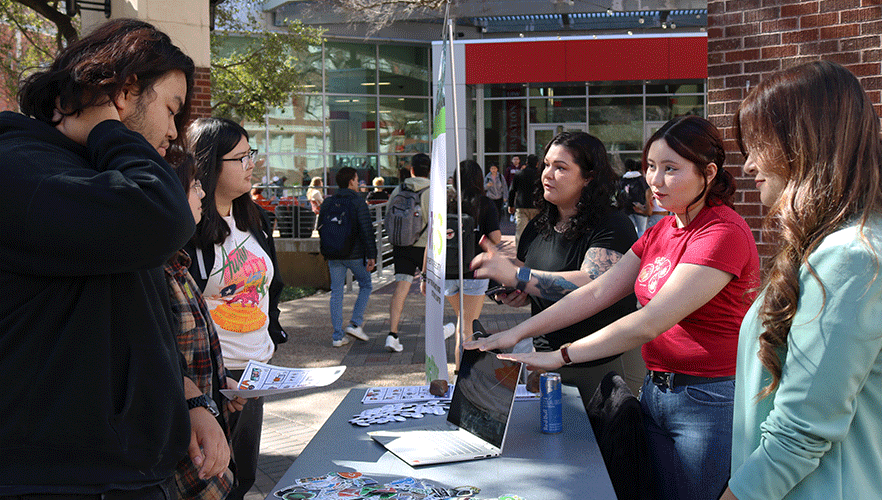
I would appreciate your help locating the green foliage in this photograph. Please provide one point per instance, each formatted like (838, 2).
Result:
(296, 292)
(253, 68)
(29, 40)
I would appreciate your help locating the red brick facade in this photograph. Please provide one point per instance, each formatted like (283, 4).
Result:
(748, 39)
(201, 94)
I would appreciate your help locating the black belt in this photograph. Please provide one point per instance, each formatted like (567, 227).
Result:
(668, 380)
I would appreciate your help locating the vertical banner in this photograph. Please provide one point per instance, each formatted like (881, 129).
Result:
(436, 248)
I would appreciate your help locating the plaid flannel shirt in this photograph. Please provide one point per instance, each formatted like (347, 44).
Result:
(199, 344)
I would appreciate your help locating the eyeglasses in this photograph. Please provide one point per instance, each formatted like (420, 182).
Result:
(249, 158)
(197, 185)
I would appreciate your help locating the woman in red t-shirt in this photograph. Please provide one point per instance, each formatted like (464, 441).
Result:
(693, 273)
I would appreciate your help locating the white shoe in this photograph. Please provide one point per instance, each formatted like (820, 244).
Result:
(341, 342)
(393, 345)
(356, 332)
(449, 330)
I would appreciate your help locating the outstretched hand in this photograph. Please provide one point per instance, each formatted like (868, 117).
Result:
(502, 340)
(547, 361)
(491, 264)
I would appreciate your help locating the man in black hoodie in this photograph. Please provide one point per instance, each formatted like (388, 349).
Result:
(95, 402)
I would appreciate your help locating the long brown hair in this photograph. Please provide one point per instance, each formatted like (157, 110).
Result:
(94, 69)
(814, 126)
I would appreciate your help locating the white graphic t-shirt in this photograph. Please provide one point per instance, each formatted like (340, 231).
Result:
(237, 294)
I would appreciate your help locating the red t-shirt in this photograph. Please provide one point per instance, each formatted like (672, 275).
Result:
(705, 342)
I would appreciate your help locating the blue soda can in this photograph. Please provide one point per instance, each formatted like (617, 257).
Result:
(550, 407)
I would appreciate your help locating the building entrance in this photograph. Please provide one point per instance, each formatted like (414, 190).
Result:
(542, 133)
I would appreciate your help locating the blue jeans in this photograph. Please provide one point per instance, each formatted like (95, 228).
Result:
(338, 279)
(689, 431)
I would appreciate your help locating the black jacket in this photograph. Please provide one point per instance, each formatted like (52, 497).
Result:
(365, 244)
(265, 239)
(523, 185)
(93, 394)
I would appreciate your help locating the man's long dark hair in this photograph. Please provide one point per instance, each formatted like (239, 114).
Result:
(211, 139)
(596, 198)
(95, 69)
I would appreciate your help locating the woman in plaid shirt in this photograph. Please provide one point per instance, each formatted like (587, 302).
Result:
(208, 475)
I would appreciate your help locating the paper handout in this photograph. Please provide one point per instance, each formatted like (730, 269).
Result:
(261, 379)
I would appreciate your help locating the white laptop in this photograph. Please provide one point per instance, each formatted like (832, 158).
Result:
(477, 422)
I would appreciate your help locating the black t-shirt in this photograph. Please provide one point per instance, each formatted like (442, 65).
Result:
(555, 253)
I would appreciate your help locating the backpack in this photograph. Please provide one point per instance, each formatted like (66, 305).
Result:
(468, 244)
(632, 191)
(335, 227)
(404, 217)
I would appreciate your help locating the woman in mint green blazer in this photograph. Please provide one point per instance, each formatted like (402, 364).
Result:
(808, 400)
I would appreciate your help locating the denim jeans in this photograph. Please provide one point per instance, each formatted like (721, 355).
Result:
(689, 430)
(338, 269)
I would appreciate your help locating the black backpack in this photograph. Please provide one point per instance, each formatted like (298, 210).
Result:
(632, 191)
(468, 244)
(335, 227)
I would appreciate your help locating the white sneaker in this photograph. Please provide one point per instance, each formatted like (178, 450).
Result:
(393, 345)
(356, 332)
(341, 342)
(449, 330)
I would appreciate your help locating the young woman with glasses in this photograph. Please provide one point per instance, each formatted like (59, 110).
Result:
(234, 264)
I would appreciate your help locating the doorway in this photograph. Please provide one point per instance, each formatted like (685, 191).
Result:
(542, 133)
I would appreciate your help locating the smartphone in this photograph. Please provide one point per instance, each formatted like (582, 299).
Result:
(491, 292)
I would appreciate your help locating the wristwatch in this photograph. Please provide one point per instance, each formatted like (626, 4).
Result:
(524, 275)
(205, 402)
(565, 353)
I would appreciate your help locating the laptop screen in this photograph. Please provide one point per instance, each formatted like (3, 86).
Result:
(485, 389)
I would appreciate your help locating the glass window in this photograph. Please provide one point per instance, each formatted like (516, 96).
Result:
(352, 124)
(351, 68)
(557, 91)
(508, 90)
(663, 108)
(617, 121)
(557, 110)
(309, 65)
(404, 126)
(294, 167)
(295, 128)
(404, 70)
(366, 165)
(615, 88)
(691, 87)
(505, 125)
(394, 168)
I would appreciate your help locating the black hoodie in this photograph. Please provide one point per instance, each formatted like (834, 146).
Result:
(94, 397)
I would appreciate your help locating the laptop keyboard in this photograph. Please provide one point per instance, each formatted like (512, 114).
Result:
(450, 444)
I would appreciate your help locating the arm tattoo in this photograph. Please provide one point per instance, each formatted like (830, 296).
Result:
(553, 287)
(597, 261)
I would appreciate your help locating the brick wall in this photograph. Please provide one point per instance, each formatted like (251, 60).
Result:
(201, 94)
(748, 39)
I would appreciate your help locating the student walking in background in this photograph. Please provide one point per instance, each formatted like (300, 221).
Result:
(408, 257)
(348, 242)
(522, 193)
(234, 264)
(692, 273)
(496, 188)
(484, 220)
(809, 377)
